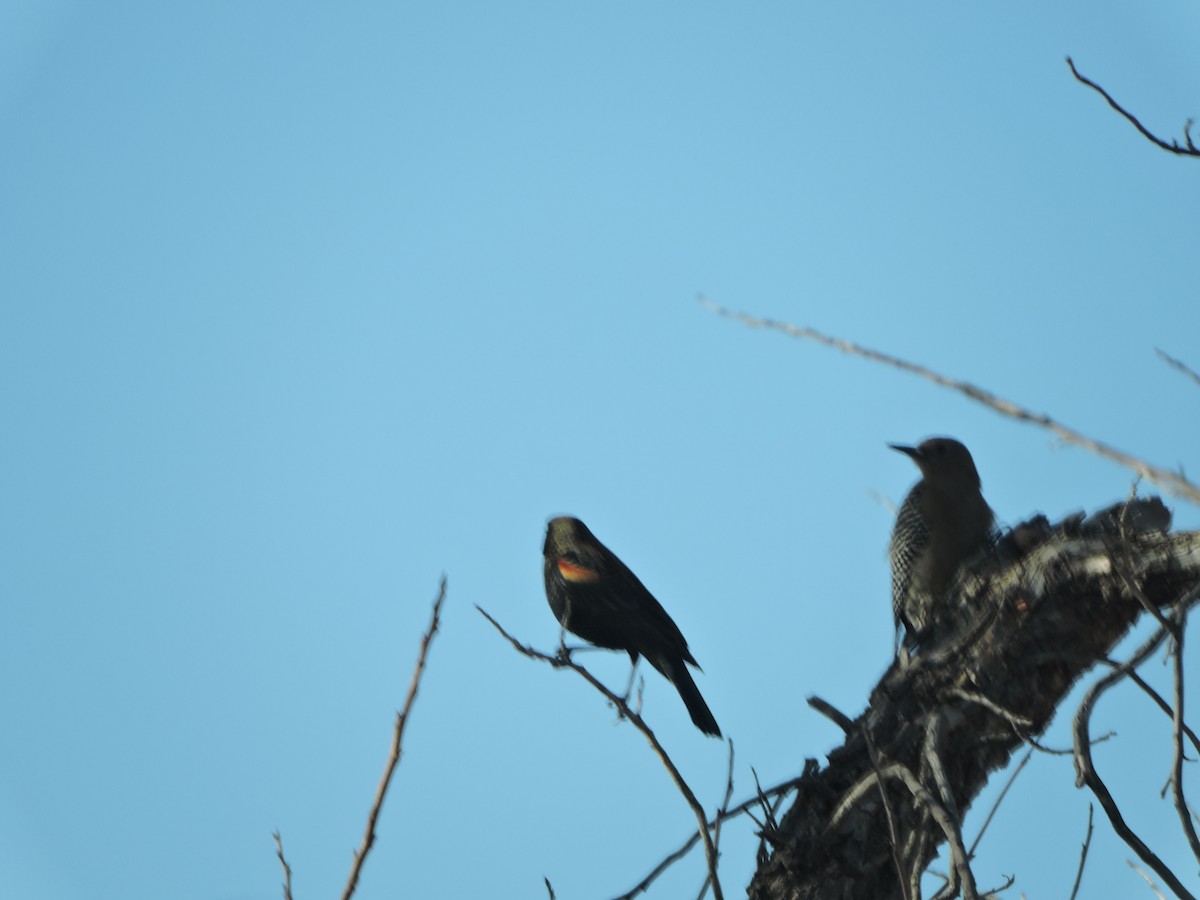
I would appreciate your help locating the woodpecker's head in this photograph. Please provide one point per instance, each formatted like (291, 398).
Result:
(942, 459)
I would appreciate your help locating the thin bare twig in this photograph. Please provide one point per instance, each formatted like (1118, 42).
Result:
(721, 810)
(1158, 701)
(832, 713)
(287, 870)
(989, 704)
(564, 661)
(1189, 828)
(549, 887)
(1179, 364)
(1086, 771)
(385, 780)
(1149, 881)
(923, 798)
(893, 831)
(743, 808)
(995, 806)
(1170, 146)
(1087, 843)
(1167, 479)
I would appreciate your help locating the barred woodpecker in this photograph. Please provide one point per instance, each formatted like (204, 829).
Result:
(942, 522)
(596, 597)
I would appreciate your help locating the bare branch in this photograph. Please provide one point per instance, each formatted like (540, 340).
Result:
(564, 661)
(721, 811)
(1168, 480)
(1180, 365)
(549, 887)
(1149, 881)
(893, 834)
(995, 806)
(385, 780)
(743, 808)
(1086, 772)
(1087, 843)
(832, 713)
(1171, 147)
(1189, 828)
(287, 870)
(904, 775)
(1158, 700)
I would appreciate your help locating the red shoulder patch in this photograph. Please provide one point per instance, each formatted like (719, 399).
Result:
(575, 573)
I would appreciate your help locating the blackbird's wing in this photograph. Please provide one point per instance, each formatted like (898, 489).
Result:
(598, 598)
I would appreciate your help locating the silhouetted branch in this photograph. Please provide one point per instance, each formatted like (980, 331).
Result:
(368, 840)
(832, 713)
(893, 835)
(1170, 146)
(721, 811)
(1185, 818)
(995, 806)
(1158, 701)
(287, 870)
(743, 808)
(1087, 843)
(564, 661)
(1086, 771)
(1171, 481)
(1180, 365)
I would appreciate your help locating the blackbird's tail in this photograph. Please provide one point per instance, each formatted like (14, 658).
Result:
(677, 673)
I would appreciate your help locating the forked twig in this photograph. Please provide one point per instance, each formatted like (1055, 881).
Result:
(368, 840)
(564, 661)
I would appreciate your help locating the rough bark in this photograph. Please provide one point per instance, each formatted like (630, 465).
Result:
(1030, 618)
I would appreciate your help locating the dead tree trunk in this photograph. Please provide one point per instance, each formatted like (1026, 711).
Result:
(1037, 613)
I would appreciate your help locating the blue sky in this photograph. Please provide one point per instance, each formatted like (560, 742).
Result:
(305, 305)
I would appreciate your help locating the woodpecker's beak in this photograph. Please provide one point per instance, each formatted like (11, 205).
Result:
(911, 452)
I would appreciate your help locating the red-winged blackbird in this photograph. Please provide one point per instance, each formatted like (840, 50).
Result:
(595, 596)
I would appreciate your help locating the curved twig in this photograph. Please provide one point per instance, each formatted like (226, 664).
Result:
(1170, 146)
(1086, 772)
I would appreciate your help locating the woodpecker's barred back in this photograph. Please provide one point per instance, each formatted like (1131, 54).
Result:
(942, 522)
